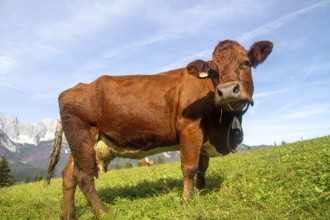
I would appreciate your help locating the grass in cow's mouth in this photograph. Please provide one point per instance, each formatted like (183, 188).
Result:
(285, 182)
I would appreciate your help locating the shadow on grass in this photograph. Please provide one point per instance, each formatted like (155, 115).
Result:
(147, 189)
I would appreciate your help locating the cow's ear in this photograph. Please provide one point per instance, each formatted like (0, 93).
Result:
(259, 52)
(201, 69)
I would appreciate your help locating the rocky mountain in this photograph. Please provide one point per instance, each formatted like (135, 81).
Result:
(25, 133)
(7, 146)
(28, 146)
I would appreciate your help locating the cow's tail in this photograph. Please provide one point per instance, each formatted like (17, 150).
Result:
(56, 151)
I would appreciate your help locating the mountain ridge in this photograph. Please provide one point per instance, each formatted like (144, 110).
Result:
(27, 133)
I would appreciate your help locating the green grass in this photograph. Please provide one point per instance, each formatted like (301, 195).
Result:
(285, 182)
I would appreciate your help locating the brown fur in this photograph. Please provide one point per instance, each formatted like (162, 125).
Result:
(144, 163)
(144, 112)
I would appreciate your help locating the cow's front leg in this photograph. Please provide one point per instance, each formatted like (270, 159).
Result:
(202, 167)
(191, 141)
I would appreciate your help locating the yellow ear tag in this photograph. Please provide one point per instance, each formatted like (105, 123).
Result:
(203, 74)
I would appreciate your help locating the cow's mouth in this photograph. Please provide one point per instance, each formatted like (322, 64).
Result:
(234, 106)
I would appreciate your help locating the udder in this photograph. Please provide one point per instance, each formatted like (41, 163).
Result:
(103, 156)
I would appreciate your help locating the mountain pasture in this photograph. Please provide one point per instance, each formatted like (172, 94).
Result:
(291, 181)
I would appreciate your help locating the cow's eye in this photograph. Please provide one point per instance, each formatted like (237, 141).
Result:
(247, 63)
(212, 73)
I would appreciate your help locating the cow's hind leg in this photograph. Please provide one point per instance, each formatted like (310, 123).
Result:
(86, 169)
(87, 186)
(82, 139)
(69, 188)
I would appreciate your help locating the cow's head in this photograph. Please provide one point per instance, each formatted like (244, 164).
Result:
(230, 72)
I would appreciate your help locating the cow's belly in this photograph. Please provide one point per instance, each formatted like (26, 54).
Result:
(107, 150)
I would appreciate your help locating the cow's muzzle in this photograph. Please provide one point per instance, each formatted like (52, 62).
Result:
(232, 96)
(229, 92)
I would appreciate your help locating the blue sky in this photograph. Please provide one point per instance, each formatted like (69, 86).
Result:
(49, 46)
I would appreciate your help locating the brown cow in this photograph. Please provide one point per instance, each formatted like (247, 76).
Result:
(145, 162)
(136, 116)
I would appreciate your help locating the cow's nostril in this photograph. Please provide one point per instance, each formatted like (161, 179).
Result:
(219, 92)
(236, 89)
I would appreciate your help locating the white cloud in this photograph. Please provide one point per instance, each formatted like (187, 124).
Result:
(270, 131)
(12, 87)
(288, 123)
(268, 93)
(318, 67)
(171, 22)
(206, 54)
(306, 113)
(86, 19)
(278, 22)
(6, 64)
(192, 18)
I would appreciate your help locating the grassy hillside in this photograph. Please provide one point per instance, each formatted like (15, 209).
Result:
(284, 182)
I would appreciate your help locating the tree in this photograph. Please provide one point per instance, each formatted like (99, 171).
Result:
(6, 177)
(160, 160)
(38, 177)
(27, 179)
(117, 166)
(128, 165)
